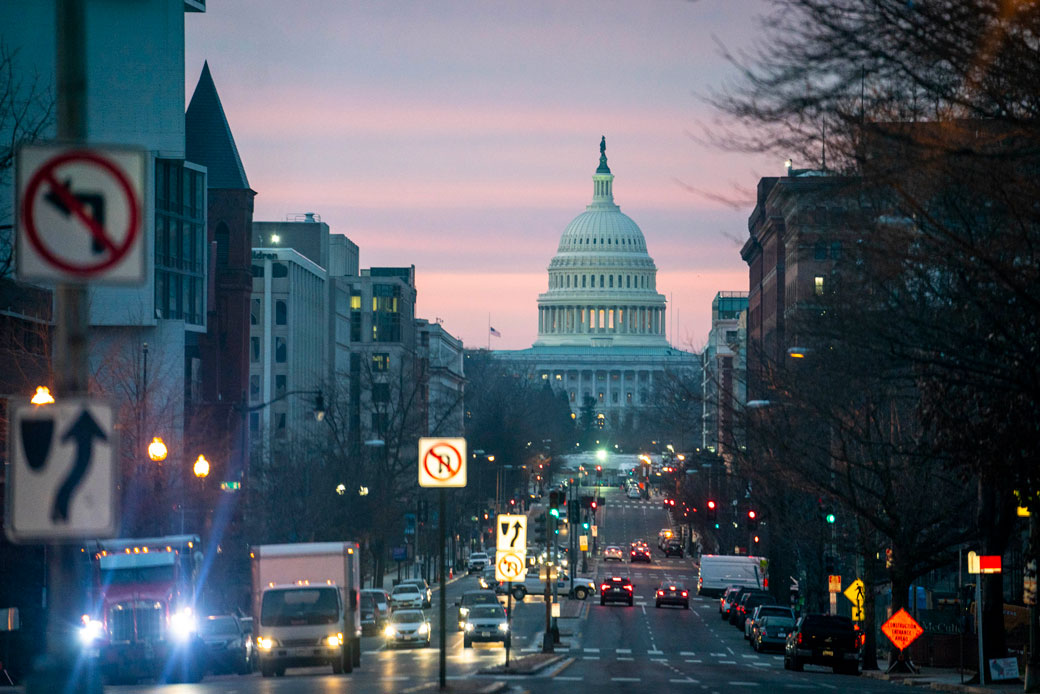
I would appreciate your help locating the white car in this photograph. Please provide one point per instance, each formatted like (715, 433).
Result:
(477, 561)
(613, 552)
(407, 627)
(406, 596)
(633, 493)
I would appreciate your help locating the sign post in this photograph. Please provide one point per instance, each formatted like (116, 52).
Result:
(510, 560)
(442, 464)
(978, 565)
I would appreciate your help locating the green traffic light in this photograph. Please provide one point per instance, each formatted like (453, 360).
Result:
(831, 518)
(716, 525)
(585, 525)
(554, 512)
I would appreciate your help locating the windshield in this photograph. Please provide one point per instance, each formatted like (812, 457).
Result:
(481, 598)
(408, 617)
(219, 626)
(297, 606)
(405, 590)
(486, 612)
(143, 574)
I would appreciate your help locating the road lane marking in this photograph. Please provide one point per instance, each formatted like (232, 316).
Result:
(624, 650)
(695, 662)
(623, 657)
(685, 680)
(730, 650)
(568, 678)
(742, 684)
(727, 662)
(626, 679)
(655, 652)
(687, 653)
(592, 650)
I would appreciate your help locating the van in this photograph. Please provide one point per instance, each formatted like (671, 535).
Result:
(718, 572)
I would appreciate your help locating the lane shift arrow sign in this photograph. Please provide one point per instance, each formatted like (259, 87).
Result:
(83, 432)
(516, 534)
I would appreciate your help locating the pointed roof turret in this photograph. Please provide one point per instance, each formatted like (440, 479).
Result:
(208, 138)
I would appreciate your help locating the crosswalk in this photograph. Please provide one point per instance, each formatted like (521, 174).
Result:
(664, 656)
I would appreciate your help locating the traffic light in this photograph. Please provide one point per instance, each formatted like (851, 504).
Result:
(599, 471)
(585, 525)
(711, 512)
(593, 505)
(554, 504)
(752, 519)
(830, 517)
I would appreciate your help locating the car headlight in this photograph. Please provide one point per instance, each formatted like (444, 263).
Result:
(424, 628)
(390, 631)
(90, 632)
(265, 643)
(469, 626)
(463, 611)
(334, 640)
(182, 624)
(503, 627)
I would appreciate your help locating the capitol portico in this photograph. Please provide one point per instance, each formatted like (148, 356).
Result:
(601, 322)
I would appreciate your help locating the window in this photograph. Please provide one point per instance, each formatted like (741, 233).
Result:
(281, 312)
(254, 350)
(614, 397)
(355, 300)
(601, 397)
(612, 281)
(254, 422)
(279, 385)
(835, 250)
(559, 377)
(380, 392)
(731, 336)
(628, 397)
(583, 278)
(820, 251)
(254, 387)
(222, 238)
(258, 271)
(180, 241)
(601, 281)
(256, 315)
(279, 270)
(573, 395)
(818, 284)
(380, 361)
(628, 281)
(280, 350)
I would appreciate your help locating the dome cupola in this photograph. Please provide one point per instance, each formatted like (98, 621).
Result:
(602, 282)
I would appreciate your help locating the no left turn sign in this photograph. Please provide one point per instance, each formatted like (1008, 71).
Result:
(442, 462)
(80, 214)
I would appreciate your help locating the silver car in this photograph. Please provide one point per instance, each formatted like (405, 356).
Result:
(407, 627)
(486, 623)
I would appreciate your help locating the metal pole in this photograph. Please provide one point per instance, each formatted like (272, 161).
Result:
(509, 618)
(978, 615)
(55, 672)
(444, 590)
(547, 639)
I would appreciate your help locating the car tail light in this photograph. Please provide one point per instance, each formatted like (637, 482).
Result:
(684, 593)
(799, 638)
(603, 588)
(660, 592)
(628, 588)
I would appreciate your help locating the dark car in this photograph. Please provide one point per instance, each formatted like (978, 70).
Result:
(371, 616)
(639, 553)
(828, 640)
(747, 605)
(673, 548)
(738, 598)
(771, 632)
(472, 598)
(616, 589)
(672, 594)
(227, 648)
(760, 612)
(726, 601)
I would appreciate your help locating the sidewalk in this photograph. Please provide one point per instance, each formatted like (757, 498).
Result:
(944, 680)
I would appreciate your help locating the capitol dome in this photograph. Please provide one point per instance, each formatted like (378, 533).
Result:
(602, 282)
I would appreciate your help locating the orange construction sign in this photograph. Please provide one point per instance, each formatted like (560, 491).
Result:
(902, 629)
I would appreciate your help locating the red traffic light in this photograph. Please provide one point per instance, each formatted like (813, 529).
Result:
(711, 505)
(593, 505)
(752, 515)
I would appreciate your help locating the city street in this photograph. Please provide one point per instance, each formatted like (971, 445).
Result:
(606, 648)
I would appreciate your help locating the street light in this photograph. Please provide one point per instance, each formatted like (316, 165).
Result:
(42, 397)
(201, 467)
(157, 450)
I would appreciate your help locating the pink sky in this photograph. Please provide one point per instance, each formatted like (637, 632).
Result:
(461, 137)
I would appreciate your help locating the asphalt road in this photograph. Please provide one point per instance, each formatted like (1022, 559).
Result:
(612, 648)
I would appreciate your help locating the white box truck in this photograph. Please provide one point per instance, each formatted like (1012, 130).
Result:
(306, 606)
(719, 572)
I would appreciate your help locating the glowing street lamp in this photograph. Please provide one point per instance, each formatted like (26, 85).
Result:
(157, 450)
(42, 397)
(201, 467)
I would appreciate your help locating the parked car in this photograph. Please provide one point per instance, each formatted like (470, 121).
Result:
(477, 561)
(424, 589)
(471, 599)
(371, 617)
(747, 605)
(407, 627)
(771, 632)
(726, 602)
(673, 548)
(486, 623)
(734, 611)
(761, 611)
(828, 640)
(382, 602)
(226, 645)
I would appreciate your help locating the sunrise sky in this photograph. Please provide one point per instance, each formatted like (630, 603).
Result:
(461, 137)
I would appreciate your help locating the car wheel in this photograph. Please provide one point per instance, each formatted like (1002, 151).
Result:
(466, 643)
(657, 605)
(337, 666)
(686, 605)
(279, 671)
(580, 593)
(602, 602)
(266, 670)
(796, 664)
(519, 593)
(787, 662)
(631, 602)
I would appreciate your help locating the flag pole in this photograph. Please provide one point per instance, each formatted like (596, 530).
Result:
(489, 332)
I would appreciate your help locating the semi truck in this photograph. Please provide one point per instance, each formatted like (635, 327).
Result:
(306, 606)
(141, 623)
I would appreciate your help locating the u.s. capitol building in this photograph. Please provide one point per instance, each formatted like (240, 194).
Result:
(601, 324)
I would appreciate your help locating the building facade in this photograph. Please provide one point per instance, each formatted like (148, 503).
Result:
(602, 335)
(724, 360)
